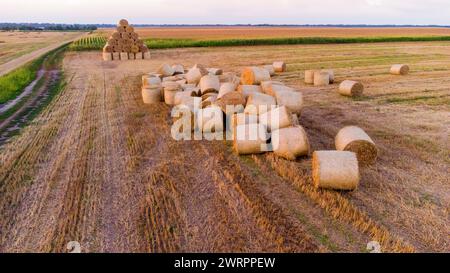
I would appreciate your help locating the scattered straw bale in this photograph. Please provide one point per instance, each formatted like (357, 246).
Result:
(292, 100)
(250, 139)
(399, 69)
(309, 76)
(170, 85)
(169, 96)
(139, 56)
(331, 73)
(131, 56)
(166, 70)
(210, 120)
(355, 139)
(123, 22)
(151, 95)
(226, 88)
(178, 69)
(215, 71)
(290, 143)
(278, 118)
(270, 69)
(116, 56)
(107, 56)
(149, 81)
(351, 88)
(259, 103)
(254, 76)
(181, 97)
(209, 83)
(278, 89)
(146, 55)
(194, 75)
(321, 78)
(247, 90)
(279, 67)
(231, 101)
(335, 170)
(266, 86)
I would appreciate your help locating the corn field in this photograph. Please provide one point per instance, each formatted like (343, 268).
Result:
(88, 43)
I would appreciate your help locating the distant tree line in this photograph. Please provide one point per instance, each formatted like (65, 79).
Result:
(46, 27)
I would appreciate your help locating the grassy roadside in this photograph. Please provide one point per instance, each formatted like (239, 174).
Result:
(97, 42)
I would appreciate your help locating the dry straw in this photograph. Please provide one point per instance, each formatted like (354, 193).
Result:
(233, 99)
(292, 100)
(335, 170)
(290, 143)
(355, 139)
(321, 78)
(250, 139)
(209, 83)
(279, 67)
(278, 118)
(351, 88)
(399, 69)
(309, 76)
(151, 95)
(254, 75)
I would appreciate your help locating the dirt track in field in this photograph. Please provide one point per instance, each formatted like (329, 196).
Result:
(99, 166)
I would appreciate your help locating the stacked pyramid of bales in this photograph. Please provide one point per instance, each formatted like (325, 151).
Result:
(124, 44)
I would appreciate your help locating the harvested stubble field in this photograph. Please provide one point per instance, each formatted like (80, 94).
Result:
(100, 167)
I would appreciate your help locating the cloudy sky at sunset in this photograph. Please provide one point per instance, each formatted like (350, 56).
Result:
(229, 11)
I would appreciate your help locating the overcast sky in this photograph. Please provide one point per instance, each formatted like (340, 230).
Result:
(228, 11)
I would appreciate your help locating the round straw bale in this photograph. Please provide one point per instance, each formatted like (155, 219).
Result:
(181, 82)
(259, 103)
(351, 88)
(169, 85)
(266, 86)
(123, 56)
(139, 56)
(279, 66)
(231, 101)
(321, 78)
(134, 49)
(399, 69)
(151, 95)
(116, 56)
(169, 96)
(292, 100)
(131, 56)
(335, 170)
(290, 143)
(355, 139)
(247, 90)
(254, 75)
(276, 88)
(194, 75)
(227, 77)
(115, 36)
(226, 88)
(146, 55)
(178, 68)
(250, 139)
(309, 76)
(148, 81)
(210, 120)
(166, 70)
(331, 73)
(181, 97)
(121, 29)
(270, 68)
(278, 118)
(129, 29)
(209, 83)
(123, 22)
(215, 71)
(107, 56)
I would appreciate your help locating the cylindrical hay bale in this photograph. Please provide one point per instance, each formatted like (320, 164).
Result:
(309, 76)
(148, 81)
(131, 56)
(292, 100)
(116, 36)
(231, 101)
(226, 88)
(210, 120)
(146, 55)
(290, 143)
(134, 49)
(399, 69)
(354, 139)
(129, 29)
(139, 56)
(279, 66)
(254, 76)
(123, 56)
(123, 22)
(166, 70)
(194, 76)
(181, 97)
(250, 139)
(151, 95)
(169, 85)
(331, 73)
(259, 103)
(266, 86)
(277, 88)
(107, 56)
(335, 170)
(270, 68)
(121, 29)
(178, 68)
(276, 119)
(227, 77)
(209, 83)
(321, 78)
(169, 96)
(248, 90)
(215, 71)
(351, 88)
